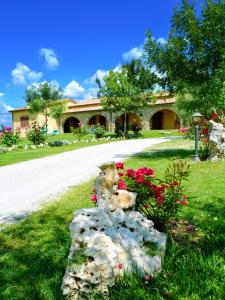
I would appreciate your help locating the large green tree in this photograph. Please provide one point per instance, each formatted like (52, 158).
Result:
(46, 98)
(126, 90)
(192, 61)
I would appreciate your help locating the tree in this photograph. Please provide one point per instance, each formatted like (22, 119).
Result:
(192, 61)
(43, 99)
(128, 90)
(57, 111)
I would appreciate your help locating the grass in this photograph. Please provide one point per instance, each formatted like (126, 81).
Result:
(19, 155)
(33, 253)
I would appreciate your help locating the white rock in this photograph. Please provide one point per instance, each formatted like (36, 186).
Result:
(216, 140)
(109, 243)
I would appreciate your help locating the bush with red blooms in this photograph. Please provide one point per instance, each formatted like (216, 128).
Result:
(158, 199)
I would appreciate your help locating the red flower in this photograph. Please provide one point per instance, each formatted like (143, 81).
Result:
(173, 184)
(146, 205)
(205, 131)
(184, 202)
(140, 179)
(213, 116)
(130, 173)
(178, 201)
(160, 200)
(119, 165)
(120, 266)
(122, 185)
(205, 141)
(94, 198)
(184, 197)
(120, 174)
(151, 173)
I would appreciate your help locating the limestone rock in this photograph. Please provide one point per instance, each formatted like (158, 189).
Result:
(105, 244)
(216, 140)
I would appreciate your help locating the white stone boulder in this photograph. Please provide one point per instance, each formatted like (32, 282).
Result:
(105, 244)
(216, 140)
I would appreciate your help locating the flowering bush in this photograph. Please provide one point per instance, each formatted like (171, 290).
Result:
(98, 130)
(36, 134)
(79, 131)
(183, 130)
(158, 199)
(7, 137)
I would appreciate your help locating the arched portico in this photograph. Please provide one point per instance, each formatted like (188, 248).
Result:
(132, 120)
(164, 119)
(69, 123)
(99, 119)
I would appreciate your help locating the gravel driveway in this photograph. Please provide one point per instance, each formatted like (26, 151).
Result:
(25, 186)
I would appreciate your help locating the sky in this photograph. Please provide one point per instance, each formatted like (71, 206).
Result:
(70, 42)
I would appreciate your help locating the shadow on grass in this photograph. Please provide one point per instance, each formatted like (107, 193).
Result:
(164, 153)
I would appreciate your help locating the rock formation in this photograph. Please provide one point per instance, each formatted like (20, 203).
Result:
(107, 240)
(216, 140)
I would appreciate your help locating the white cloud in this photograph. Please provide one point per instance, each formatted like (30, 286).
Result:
(161, 40)
(50, 58)
(135, 52)
(74, 89)
(2, 94)
(5, 116)
(98, 74)
(23, 75)
(91, 93)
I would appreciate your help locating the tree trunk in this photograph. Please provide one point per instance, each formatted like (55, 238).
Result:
(125, 124)
(46, 121)
(59, 124)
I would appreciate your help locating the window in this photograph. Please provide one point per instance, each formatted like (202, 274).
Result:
(24, 120)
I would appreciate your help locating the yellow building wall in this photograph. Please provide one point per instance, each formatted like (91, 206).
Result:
(40, 118)
(169, 119)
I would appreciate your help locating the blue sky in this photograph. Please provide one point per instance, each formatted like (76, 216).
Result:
(68, 42)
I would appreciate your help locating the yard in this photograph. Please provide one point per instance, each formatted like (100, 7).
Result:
(20, 154)
(33, 252)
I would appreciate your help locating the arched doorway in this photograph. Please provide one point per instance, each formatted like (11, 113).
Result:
(132, 120)
(70, 123)
(99, 119)
(164, 119)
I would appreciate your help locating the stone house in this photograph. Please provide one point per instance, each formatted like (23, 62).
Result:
(159, 115)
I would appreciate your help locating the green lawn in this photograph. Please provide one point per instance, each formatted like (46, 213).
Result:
(33, 253)
(19, 155)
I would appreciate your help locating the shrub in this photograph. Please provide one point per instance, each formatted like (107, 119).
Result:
(8, 138)
(98, 131)
(136, 130)
(79, 132)
(158, 199)
(119, 131)
(36, 134)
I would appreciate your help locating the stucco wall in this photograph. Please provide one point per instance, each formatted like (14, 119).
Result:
(144, 116)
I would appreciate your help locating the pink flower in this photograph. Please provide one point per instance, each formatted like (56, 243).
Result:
(119, 165)
(178, 201)
(94, 198)
(148, 277)
(120, 174)
(120, 266)
(122, 185)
